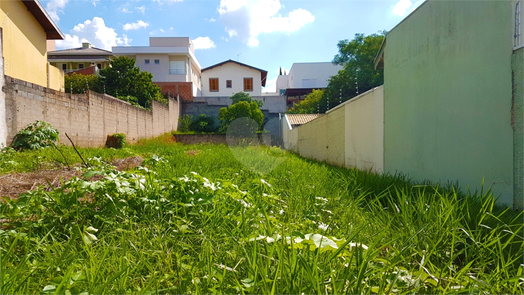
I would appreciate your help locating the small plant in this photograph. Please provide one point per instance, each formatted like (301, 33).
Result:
(183, 123)
(117, 141)
(203, 124)
(35, 136)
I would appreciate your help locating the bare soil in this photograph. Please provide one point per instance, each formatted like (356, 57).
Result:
(13, 184)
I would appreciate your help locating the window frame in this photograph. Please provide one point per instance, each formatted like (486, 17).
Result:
(147, 61)
(249, 79)
(64, 67)
(175, 71)
(157, 61)
(80, 65)
(229, 84)
(214, 84)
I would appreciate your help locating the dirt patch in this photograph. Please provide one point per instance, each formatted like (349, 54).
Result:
(12, 185)
(193, 152)
(127, 163)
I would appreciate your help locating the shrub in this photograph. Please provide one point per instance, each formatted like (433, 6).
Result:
(183, 123)
(203, 124)
(242, 96)
(78, 83)
(241, 109)
(117, 141)
(35, 136)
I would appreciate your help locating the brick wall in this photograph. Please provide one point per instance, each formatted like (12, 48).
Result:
(184, 89)
(87, 118)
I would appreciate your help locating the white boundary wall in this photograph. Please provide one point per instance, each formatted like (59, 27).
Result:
(350, 135)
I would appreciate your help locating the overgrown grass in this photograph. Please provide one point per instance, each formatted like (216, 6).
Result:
(208, 219)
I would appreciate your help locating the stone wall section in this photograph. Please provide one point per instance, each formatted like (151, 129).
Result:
(87, 118)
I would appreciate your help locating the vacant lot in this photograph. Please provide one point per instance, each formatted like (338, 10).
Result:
(210, 219)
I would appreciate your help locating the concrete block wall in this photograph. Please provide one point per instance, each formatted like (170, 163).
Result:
(87, 118)
(3, 125)
(272, 104)
(350, 135)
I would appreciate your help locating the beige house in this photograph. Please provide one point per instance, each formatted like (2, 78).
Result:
(75, 59)
(172, 62)
(25, 28)
(229, 77)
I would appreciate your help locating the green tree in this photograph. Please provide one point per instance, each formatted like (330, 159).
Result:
(242, 109)
(124, 79)
(242, 96)
(310, 105)
(78, 83)
(358, 74)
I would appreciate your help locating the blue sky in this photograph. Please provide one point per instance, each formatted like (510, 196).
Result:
(267, 34)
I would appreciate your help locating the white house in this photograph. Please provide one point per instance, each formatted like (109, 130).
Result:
(303, 78)
(229, 77)
(172, 62)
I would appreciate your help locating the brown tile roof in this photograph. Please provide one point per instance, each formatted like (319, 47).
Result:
(299, 119)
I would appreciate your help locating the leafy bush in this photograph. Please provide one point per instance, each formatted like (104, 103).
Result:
(203, 124)
(78, 83)
(310, 105)
(242, 96)
(183, 123)
(117, 141)
(35, 136)
(241, 109)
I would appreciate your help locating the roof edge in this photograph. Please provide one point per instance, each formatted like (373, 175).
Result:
(37, 10)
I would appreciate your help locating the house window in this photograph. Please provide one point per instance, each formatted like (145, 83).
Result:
(248, 84)
(228, 84)
(518, 25)
(64, 67)
(157, 61)
(80, 66)
(146, 61)
(213, 84)
(99, 66)
(177, 67)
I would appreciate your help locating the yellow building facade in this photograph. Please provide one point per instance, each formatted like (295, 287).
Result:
(26, 27)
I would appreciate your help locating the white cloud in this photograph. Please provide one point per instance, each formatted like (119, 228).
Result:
(54, 7)
(142, 9)
(95, 32)
(95, 2)
(401, 7)
(203, 43)
(135, 26)
(125, 10)
(404, 7)
(211, 20)
(247, 19)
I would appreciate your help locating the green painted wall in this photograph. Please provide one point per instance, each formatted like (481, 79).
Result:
(518, 126)
(448, 94)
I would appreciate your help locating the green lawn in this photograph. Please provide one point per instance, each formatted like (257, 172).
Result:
(210, 219)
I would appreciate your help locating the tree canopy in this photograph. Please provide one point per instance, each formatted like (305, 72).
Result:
(358, 74)
(124, 79)
(309, 105)
(242, 109)
(242, 96)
